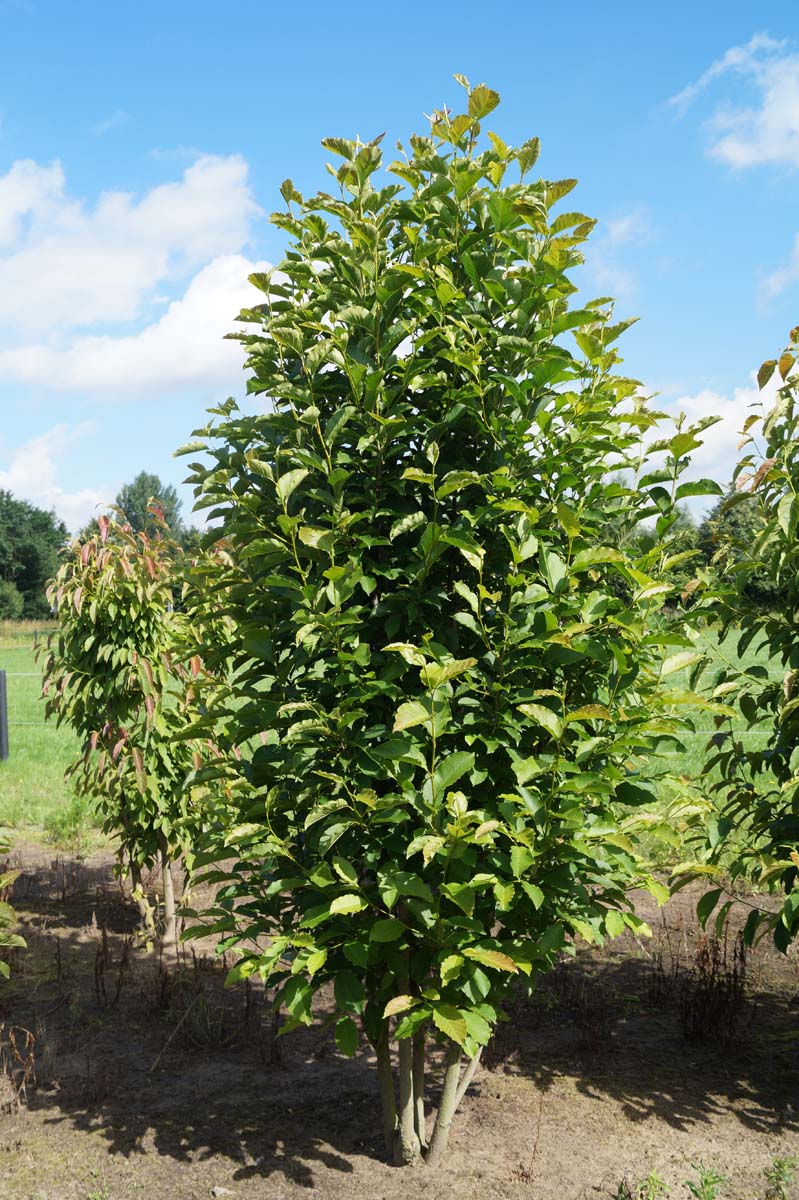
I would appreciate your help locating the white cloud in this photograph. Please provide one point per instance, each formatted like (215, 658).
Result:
(633, 227)
(70, 266)
(767, 133)
(32, 475)
(719, 453)
(783, 277)
(604, 258)
(120, 117)
(28, 190)
(184, 348)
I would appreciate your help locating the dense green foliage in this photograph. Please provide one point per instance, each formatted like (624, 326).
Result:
(757, 799)
(12, 602)
(432, 692)
(30, 540)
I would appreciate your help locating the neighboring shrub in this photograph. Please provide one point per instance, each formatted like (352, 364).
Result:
(12, 601)
(754, 830)
(113, 674)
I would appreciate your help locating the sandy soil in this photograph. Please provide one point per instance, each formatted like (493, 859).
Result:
(143, 1088)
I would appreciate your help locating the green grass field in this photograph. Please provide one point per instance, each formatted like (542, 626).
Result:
(33, 795)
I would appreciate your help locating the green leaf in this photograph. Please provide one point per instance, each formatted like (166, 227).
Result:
(451, 968)
(544, 717)
(410, 714)
(568, 519)
(410, 653)
(289, 482)
(450, 769)
(491, 958)
(678, 662)
(555, 569)
(477, 1026)
(317, 539)
(434, 674)
(659, 890)
(349, 903)
(535, 893)
(787, 511)
(387, 930)
(398, 1005)
(451, 1022)
(614, 923)
(344, 869)
(349, 992)
(589, 712)
(340, 146)
(765, 372)
(699, 487)
(520, 859)
(706, 905)
(482, 101)
(407, 524)
(347, 1036)
(242, 970)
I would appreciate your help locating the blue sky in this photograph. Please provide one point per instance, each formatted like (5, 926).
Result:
(141, 147)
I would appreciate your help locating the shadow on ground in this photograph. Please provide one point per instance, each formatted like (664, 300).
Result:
(187, 1071)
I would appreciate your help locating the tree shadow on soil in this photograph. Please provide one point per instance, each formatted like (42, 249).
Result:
(613, 1040)
(130, 1072)
(199, 1092)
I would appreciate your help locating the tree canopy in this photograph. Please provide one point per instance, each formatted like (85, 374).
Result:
(134, 499)
(30, 539)
(432, 699)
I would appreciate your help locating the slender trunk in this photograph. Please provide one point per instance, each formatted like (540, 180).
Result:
(418, 1086)
(169, 937)
(408, 1150)
(468, 1076)
(385, 1082)
(145, 911)
(446, 1108)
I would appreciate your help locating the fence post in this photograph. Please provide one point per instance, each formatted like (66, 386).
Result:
(3, 718)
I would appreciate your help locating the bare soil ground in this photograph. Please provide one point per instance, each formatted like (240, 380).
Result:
(141, 1087)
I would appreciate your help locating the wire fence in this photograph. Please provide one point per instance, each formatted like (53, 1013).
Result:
(10, 724)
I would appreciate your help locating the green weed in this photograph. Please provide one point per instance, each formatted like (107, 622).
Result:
(779, 1176)
(707, 1184)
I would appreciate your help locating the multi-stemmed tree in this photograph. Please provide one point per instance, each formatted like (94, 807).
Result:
(437, 679)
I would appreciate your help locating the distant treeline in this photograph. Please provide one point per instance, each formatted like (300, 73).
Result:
(31, 538)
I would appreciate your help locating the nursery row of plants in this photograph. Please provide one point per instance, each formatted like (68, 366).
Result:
(406, 709)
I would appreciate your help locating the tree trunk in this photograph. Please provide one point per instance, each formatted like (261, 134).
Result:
(388, 1098)
(169, 936)
(446, 1109)
(408, 1150)
(145, 911)
(468, 1076)
(418, 1086)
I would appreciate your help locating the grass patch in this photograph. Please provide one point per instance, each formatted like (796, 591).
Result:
(33, 794)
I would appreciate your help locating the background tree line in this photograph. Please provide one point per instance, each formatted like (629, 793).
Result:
(31, 539)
